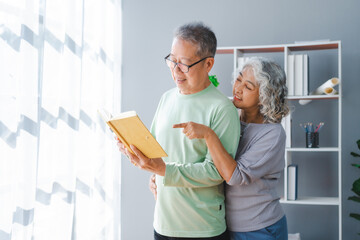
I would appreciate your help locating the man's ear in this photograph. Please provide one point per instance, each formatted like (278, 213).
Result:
(209, 63)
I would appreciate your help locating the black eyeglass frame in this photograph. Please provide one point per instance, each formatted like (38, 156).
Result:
(188, 66)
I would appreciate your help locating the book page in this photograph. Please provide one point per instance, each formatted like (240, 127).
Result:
(104, 114)
(124, 115)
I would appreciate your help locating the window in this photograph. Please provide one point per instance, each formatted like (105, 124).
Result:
(59, 165)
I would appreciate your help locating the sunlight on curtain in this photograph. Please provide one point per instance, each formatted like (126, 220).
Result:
(59, 165)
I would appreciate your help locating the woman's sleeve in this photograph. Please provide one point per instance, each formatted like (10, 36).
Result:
(264, 157)
(204, 173)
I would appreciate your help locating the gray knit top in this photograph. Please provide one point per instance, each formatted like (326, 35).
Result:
(252, 201)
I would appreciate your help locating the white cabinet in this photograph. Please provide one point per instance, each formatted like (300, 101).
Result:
(281, 53)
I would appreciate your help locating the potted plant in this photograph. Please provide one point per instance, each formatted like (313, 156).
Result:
(356, 185)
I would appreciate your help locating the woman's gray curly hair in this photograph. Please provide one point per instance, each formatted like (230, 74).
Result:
(272, 88)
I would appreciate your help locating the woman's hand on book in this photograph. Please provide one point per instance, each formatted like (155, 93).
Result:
(154, 165)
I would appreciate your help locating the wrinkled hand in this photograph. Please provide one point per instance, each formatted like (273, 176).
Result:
(152, 186)
(154, 165)
(122, 149)
(194, 130)
(120, 145)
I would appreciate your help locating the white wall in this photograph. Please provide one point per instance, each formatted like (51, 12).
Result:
(147, 36)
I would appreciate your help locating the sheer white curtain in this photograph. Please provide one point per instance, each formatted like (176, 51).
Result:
(59, 166)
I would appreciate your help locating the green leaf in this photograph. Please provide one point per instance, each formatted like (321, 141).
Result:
(356, 187)
(355, 165)
(355, 154)
(354, 198)
(358, 143)
(214, 80)
(355, 215)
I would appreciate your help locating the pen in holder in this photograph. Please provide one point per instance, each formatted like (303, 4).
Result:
(312, 139)
(311, 135)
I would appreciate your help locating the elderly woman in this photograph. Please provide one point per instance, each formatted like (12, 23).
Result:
(253, 210)
(190, 190)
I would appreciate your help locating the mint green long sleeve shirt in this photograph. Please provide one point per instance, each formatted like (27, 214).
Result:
(190, 197)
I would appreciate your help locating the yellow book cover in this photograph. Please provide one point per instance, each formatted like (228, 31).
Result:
(131, 131)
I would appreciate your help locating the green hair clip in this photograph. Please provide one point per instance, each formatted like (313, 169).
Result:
(214, 80)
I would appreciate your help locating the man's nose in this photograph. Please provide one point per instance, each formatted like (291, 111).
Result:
(177, 68)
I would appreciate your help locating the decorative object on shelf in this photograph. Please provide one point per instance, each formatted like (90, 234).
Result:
(326, 88)
(311, 134)
(356, 185)
(312, 139)
(214, 80)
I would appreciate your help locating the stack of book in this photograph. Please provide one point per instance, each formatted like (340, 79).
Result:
(297, 75)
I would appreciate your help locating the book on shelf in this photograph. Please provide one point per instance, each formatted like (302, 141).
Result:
(298, 73)
(290, 75)
(306, 75)
(286, 123)
(292, 182)
(129, 128)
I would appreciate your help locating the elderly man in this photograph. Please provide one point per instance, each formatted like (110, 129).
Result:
(190, 190)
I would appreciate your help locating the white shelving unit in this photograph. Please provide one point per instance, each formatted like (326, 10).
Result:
(286, 50)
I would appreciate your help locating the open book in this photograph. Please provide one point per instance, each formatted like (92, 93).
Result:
(131, 131)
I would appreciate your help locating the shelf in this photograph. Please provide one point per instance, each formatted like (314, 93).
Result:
(306, 46)
(252, 49)
(293, 153)
(320, 149)
(313, 201)
(225, 51)
(313, 46)
(313, 97)
(261, 49)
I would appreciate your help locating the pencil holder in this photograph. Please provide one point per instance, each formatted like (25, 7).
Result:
(312, 139)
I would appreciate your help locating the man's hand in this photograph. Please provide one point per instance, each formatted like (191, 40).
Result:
(154, 165)
(152, 186)
(120, 145)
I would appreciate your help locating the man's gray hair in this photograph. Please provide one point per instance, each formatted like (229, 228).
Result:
(200, 35)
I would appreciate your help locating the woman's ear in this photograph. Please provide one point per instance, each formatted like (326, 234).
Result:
(209, 63)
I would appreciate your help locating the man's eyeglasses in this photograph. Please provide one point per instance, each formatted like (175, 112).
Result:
(183, 67)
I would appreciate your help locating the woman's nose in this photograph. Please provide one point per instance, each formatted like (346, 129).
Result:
(239, 87)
